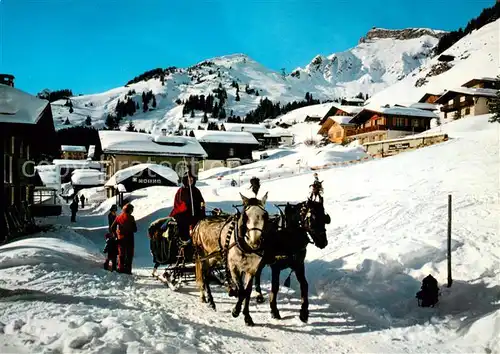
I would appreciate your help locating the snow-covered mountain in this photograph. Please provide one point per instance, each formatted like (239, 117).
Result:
(476, 55)
(380, 59)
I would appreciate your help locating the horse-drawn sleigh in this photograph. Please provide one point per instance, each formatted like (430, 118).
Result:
(232, 249)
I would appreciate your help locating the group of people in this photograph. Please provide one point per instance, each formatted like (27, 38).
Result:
(74, 206)
(188, 209)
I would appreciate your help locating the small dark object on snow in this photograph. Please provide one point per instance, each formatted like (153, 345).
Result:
(255, 185)
(428, 296)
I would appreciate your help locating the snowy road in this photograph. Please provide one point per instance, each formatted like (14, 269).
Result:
(388, 231)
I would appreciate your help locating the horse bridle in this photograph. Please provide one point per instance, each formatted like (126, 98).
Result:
(244, 217)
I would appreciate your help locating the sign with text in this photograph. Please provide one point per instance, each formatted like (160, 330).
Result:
(398, 146)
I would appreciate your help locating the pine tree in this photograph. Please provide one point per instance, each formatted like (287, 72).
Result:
(154, 102)
(181, 127)
(205, 118)
(192, 113)
(137, 106)
(237, 96)
(494, 106)
(307, 97)
(130, 126)
(71, 109)
(111, 122)
(145, 106)
(67, 122)
(191, 133)
(88, 120)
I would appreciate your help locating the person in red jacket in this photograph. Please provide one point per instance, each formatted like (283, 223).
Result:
(189, 206)
(125, 229)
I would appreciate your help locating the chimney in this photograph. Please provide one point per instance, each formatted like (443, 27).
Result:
(7, 79)
(164, 132)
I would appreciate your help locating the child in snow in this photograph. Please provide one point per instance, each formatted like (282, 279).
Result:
(111, 241)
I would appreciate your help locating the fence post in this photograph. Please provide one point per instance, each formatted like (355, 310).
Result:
(450, 281)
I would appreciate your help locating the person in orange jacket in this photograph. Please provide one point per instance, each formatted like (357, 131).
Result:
(189, 206)
(125, 229)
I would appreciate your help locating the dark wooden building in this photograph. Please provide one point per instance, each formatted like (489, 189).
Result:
(222, 146)
(27, 137)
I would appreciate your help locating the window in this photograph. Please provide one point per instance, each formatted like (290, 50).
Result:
(231, 151)
(462, 98)
(12, 145)
(467, 111)
(415, 123)
(400, 122)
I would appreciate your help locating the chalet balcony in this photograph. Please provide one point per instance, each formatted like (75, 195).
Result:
(366, 130)
(458, 105)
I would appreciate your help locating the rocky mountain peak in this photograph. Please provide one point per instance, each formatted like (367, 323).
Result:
(401, 34)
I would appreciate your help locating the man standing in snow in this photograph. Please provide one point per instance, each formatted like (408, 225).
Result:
(125, 228)
(111, 242)
(189, 206)
(74, 208)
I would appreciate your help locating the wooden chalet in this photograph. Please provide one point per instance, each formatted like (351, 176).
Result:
(465, 101)
(340, 129)
(73, 152)
(483, 83)
(338, 110)
(429, 97)
(224, 146)
(389, 123)
(122, 149)
(27, 137)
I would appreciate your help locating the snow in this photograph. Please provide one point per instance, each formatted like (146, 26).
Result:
(367, 67)
(225, 137)
(87, 177)
(122, 175)
(388, 231)
(424, 105)
(120, 142)
(91, 152)
(250, 128)
(73, 148)
(349, 109)
(476, 55)
(50, 175)
(341, 119)
(17, 106)
(300, 114)
(77, 164)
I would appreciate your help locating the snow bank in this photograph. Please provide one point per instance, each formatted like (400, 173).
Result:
(337, 154)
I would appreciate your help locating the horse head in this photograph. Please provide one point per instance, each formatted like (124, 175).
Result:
(254, 220)
(314, 220)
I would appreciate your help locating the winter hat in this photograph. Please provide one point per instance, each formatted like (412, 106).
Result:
(129, 208)
(113, 208)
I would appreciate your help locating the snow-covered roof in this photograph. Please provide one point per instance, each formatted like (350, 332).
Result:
(87, 178)
(120, 142)
(122, 175)
(483, 79)
(394, 111)
(49, 174)
(424, 106)
(300, 114)
(17, 106)
(251, 128)
(349, 109)
(278, 131)
(341, 119)
(73, 148)
(225, 137)
(76, 164)
(477, 92)
(355, 99)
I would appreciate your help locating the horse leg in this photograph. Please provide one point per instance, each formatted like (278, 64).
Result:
(210, 299)
(260, 297)
(275, 285)
(248, 292)
(236, 275)
(200, 279)
(304, 288)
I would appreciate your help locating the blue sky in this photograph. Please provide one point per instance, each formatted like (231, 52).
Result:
(94, 45)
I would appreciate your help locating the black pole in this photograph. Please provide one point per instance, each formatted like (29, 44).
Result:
(450, 281)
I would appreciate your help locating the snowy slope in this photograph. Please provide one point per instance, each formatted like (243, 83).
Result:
(368, 67)
(476, 56)
(385, 236)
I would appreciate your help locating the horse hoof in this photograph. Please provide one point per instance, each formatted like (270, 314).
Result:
(235, 312)
(249, 321)
(304, 315)
(260, 299)
(276, 315)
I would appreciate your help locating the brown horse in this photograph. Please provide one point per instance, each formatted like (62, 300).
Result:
(236, 243)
